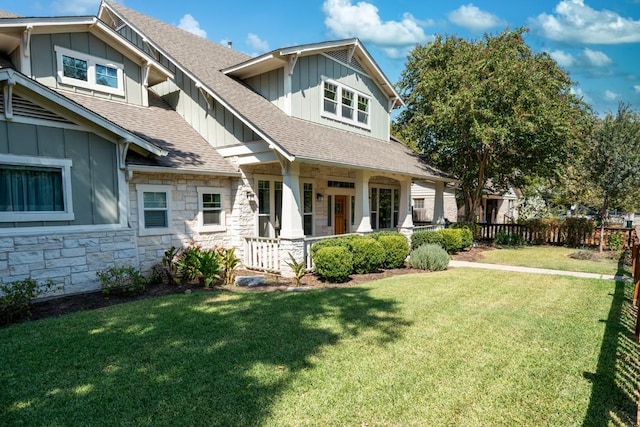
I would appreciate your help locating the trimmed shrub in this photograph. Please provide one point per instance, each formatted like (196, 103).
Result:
(452, 239)
(396, 249)
(423, 237)
(429, 256)
(575, 230)
(368, 255)
(466, 235)
(333, 263)
(344, 242)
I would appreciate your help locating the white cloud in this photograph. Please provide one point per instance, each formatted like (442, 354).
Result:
(563, 58)
(257, 43)
(580, 94)
(574, 21)
(75, 7)
(595, 58)
(189, 23)
(611, 96)
(472, 18)
(345, 20)
(637, 88)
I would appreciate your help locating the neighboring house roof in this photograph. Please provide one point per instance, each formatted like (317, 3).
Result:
(294, 138)
(163, 127)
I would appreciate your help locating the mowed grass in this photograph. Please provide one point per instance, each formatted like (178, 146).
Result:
(465, 347)
(555, 258)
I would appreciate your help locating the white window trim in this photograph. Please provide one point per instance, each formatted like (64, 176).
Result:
(338, 116)
(65, 167)
(272, 202)
(393, 188)
(312, 214)
(211, 228)
(147, 188)
(92, 61)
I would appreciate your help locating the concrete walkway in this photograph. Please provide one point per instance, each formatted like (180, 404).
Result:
(454, 263)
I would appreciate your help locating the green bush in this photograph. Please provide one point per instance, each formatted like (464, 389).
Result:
(504, 239)
(344, 241)
(575, 229)
(473, 227)
(452, 239)
(121, 280)
(208, 267)
(466, 235)
(16, 297)
(429, 256)
(333, 263)
(396, 249)
(422, 237)
(368, 255)
(615, 241)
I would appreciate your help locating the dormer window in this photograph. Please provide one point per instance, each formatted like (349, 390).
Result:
(345, 104)
(89, 72)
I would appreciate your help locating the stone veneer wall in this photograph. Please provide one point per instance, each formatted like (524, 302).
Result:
(239, 215)
(70, 259)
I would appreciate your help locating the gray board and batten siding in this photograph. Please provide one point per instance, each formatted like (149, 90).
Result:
(94, 179)
(209, 118)
(44, 64)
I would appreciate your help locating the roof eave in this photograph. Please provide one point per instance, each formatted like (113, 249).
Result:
(178, 170)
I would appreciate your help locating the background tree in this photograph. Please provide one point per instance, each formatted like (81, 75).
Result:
(612, 162)
(489, 110)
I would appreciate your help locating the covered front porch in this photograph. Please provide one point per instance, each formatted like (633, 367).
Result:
(295, 204)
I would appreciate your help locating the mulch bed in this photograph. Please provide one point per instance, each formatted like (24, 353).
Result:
(58, 306)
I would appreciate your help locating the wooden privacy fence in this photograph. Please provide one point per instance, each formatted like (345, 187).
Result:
(554, 235)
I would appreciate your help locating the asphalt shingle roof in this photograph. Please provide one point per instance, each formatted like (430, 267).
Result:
(303, 139)
(164, 127)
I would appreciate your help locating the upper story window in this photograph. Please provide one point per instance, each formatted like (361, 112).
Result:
(90, 72)
(35, 189)
(345, 104)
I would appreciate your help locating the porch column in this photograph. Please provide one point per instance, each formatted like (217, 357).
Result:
(362, 210)
(438, 205)
(291, 222)
(405, 218)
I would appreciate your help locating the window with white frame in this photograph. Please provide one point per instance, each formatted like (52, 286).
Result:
(211, 215)
(154, 209)
(307, 208)
(345, 104)
(269, 207)
(418, 203)
(35, 189)
(87, 71)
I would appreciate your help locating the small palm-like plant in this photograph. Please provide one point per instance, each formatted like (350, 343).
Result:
(229, 262)
(299, 268)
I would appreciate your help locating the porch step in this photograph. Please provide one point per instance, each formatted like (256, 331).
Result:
(250, 281)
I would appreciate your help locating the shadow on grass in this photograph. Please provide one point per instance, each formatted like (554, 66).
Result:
(200, 359)
(615, 383)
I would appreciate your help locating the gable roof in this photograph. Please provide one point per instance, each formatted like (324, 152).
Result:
(275, 59)
(11, 77)
(159, 124)
(293, 138)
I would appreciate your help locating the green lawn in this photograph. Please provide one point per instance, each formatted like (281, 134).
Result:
(555, 258)
(465, 347)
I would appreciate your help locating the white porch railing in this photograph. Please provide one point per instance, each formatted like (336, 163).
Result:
(430, 227)
(262, 253)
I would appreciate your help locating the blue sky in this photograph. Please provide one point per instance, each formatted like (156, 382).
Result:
(596, 41)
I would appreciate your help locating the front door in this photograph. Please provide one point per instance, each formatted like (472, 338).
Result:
(340, 215)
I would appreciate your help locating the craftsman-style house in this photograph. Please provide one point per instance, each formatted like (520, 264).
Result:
(121, 136)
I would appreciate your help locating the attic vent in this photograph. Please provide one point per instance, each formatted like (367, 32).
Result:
(341, 55)
(25, 108)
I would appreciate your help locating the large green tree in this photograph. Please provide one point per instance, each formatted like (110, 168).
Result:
(489, 110)
(612, 162)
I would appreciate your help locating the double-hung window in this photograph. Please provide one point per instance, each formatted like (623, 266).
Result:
(154, 209)
(384, 208)
(35, 189)
(211, 209)
(345, 104)
(90, 72)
